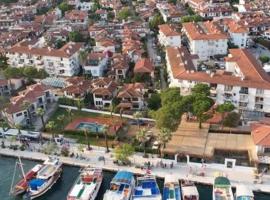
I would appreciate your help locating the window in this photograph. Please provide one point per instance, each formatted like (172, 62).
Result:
(228, 88)
(18, 114)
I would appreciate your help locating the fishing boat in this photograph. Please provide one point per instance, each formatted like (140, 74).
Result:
(243, 193)
(222, 189)
(189, 191)
(87, 184)
(46, 177)
(121, 186)
(171, 190)
(146, 188)
(22, 185)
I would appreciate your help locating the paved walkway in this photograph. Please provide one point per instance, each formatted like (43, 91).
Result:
(191, 171)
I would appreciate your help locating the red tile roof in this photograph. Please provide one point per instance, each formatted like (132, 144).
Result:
(168, 30)
(144, 65)
(261, 134)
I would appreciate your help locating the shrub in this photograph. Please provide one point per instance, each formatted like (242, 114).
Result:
(232, 119)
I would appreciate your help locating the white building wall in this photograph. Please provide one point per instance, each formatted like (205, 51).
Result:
(239, 39)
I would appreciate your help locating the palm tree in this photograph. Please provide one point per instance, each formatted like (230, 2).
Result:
(60, 119)
(164, 136)
(26, 106)
(69, 111)
(111, 108)
(51, 126)
(137, 115)
(87, 138)
(40, 112)
(80, 104)
(105, 132)
(141, 137)
(19, 127)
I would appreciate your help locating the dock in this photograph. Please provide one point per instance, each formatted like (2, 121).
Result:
(183, 171)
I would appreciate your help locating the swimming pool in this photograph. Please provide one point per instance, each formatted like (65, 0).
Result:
(92, 127)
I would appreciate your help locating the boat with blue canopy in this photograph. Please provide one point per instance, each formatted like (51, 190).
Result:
(146, 188)
(121, 186)
(46, 177)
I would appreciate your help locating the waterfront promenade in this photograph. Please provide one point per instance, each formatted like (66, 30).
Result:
(191, 171)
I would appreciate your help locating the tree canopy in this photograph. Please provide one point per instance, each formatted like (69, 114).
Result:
(156, 21)
(64, 7)
(28, 72)
(123, 152)
(124, 14)
(191, 18)
(154, 102)
(75, 36)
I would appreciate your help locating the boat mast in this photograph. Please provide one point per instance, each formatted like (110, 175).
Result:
(14, 173)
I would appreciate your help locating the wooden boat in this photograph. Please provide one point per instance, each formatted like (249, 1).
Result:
(189, 191)
(47, 176)
(222, 189)
(87, 185)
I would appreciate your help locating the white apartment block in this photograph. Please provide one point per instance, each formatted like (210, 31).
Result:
(243, 83)
(168, 36)
(37, 96)
(96, 63)
(205, 39)
(62, 62)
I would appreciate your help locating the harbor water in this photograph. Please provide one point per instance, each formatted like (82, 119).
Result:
(61, 188)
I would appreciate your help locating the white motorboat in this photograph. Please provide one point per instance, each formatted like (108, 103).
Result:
(243, 193)
(222, 189)
(171, 190)
(189, 191)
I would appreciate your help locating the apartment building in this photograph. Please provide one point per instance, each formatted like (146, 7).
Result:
(104, 90)
(168, 36)
(95, 64)
(23, 107)
(132, 96)
(4, 87)
(243, 82)
(62, 62)
(205, 39)
(119, 67)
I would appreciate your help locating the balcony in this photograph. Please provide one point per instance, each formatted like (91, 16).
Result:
(213, 92)
(243, 91)
(243, 98)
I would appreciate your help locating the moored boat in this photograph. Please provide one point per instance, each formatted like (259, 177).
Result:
(87, 184)
(222, 189)
(189, 191)
(146, 188)
(47, 176)
(22, 185)
(121, 186)
(171, 190)
(243, 193)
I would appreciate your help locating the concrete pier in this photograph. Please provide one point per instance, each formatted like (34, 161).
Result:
(183, 171)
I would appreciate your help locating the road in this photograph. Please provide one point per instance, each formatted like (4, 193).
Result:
(153, 54)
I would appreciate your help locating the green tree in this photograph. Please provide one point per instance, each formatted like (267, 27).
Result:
(224, 108)
(202, 89)
(199, 108)
(264, 59)
(191, 18)
(123, 152)
(60, 120)
(154, 102)
(51, 126)
(41, 113)
(64, 7)
(105, 132)
(164, 137)
(156, 21)
(124, 14)
(19, 128)
(86, 132)
(142, 138)
(70, 114)
(83, 57)
(3, 62)
(75, 36)
(170, 95)
(232, 120)
(30, 73)
(12, 72)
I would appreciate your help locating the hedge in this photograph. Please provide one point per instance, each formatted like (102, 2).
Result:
(90, 134)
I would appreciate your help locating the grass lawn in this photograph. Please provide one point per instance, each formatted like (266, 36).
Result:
(75, 114)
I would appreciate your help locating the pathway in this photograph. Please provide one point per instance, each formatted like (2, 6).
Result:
(191, 171)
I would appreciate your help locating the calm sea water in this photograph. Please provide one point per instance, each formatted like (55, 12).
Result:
(60, 190)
